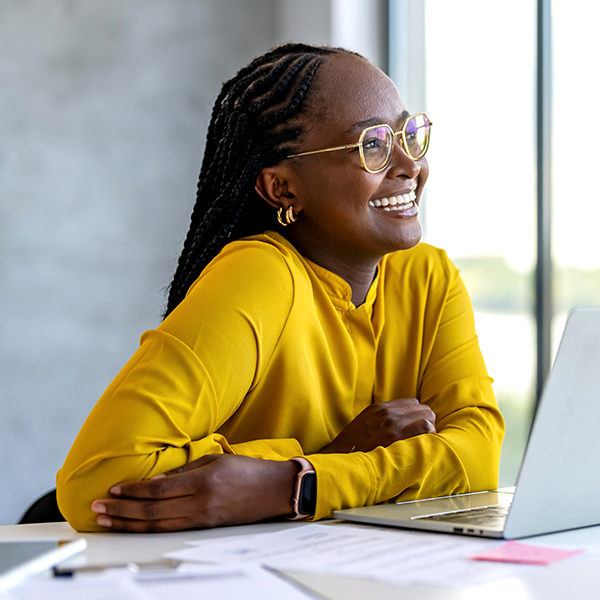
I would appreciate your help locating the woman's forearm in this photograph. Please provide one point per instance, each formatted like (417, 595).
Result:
(212, 491)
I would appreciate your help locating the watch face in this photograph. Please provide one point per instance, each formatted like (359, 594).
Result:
(307, 501)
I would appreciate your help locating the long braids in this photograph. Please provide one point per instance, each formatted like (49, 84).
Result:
(254, 124)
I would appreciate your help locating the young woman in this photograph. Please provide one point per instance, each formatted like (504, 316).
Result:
(314, 355)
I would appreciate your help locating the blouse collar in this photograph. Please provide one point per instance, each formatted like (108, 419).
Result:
(337, 288)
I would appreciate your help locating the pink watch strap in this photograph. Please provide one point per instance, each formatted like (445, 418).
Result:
(306, 468)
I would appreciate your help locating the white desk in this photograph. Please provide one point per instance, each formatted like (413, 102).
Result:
(571, 579)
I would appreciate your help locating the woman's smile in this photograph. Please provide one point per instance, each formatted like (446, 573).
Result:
(401, 205)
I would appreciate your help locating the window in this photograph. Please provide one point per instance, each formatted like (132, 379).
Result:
(575, 134)
(480, 206)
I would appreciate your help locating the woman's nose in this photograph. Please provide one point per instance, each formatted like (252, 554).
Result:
(402, 163)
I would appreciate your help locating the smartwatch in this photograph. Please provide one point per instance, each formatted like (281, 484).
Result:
(305, 494)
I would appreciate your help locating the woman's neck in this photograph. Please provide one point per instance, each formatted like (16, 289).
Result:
(358, 275)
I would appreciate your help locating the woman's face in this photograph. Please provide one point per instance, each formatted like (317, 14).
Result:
(340, 202)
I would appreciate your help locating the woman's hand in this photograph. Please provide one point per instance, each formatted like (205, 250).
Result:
(382, 424)
(217, 489)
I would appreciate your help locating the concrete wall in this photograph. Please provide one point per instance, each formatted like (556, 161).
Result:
(103, 112)
(103, 109)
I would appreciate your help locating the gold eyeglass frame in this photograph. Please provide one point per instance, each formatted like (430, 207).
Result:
(359, 145)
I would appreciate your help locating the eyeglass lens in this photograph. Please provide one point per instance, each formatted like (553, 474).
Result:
(378, 142)
(416, 135)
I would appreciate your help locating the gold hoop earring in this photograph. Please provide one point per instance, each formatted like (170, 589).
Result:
(290, 217)
(279, 213)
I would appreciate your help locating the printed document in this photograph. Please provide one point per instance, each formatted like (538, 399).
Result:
(367, 552)
(217, 583)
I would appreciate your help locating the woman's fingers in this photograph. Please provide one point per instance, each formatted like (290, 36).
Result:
(132, 526)
(383, 424)
(419, 427)
(166, 504)
(172, 484)
(409, 408)
(160, 504)
(146, 510)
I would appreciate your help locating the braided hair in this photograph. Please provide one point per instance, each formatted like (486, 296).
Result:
(254, 124)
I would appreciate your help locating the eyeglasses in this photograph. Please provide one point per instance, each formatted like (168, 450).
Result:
(376, 143)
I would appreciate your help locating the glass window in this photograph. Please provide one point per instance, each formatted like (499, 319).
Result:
(480, 204)
(575, 134)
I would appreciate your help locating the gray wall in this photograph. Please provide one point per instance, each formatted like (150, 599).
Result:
(103, 112)
(103, 109)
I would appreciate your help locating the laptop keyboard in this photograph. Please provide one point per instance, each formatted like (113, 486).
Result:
(489, 516)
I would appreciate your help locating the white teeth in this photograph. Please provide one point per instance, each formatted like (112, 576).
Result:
(394, 203)
(396, 208)
(401, 207)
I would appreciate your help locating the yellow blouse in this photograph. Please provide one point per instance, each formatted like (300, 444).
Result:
(268, 357)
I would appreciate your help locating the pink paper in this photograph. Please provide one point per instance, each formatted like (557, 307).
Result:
(523, 554)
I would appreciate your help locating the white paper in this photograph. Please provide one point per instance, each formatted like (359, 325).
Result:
(217, 583)
(366, 552)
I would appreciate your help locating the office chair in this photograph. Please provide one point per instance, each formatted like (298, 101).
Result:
(43, 510)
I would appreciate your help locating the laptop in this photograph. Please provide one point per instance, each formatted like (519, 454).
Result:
(557, 487)
(19, 560)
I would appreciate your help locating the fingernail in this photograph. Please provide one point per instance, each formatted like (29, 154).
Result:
(115, 490)
(104, 521)
(98, 507)
(160, 476)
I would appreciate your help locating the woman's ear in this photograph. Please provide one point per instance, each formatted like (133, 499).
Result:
(272, 187)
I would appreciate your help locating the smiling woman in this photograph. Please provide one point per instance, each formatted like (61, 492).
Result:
(343, 229)
(314, 355)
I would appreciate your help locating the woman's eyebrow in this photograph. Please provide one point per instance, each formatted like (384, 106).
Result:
(360, 125)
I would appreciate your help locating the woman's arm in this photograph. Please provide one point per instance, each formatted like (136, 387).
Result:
(152, 420)
(228, 490)
(462, 456)
(212, 491)
(187, 378)
(464, 453)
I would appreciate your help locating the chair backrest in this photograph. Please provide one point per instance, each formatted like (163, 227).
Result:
(43, 510)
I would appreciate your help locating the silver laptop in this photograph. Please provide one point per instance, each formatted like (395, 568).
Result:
(558, 486)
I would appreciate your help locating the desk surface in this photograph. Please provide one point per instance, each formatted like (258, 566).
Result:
(570, 579)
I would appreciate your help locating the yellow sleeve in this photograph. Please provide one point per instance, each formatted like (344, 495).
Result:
(463, 455)
(187, 378)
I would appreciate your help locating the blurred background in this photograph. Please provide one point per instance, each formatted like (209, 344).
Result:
(103, 112)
